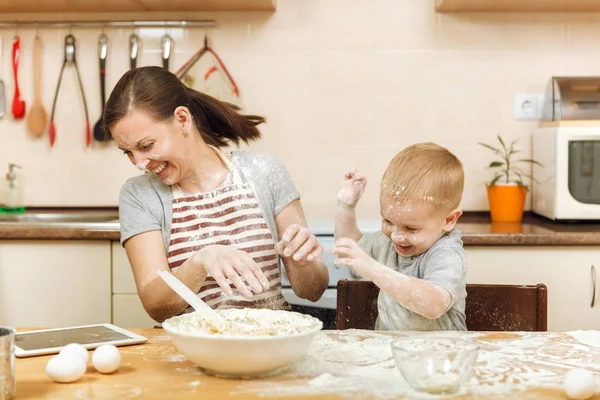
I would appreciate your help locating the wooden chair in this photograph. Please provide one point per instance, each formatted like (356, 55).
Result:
(488, 307)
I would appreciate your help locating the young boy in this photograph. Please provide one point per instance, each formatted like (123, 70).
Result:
(417, 259)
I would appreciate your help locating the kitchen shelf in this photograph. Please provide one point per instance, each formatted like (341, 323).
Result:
(448, 6)
(111, 6)
(110, 23)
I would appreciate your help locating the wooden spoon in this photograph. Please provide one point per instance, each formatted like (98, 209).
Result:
(36, 121)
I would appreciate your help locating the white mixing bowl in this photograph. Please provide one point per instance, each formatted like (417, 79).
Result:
(244, 354)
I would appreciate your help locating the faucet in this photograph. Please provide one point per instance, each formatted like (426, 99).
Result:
(11, 176)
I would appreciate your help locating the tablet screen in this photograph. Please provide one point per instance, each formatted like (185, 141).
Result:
(59, 338)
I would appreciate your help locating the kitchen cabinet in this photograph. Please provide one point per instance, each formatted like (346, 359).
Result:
(566, 271)
(517, 6)
(96, 6)
(128, 311)
(54, 283)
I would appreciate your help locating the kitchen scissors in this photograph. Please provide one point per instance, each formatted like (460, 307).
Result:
(70, 59)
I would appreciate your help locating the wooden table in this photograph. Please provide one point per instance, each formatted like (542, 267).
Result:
(340, 364)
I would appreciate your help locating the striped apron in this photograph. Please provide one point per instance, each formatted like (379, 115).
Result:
(231, 216)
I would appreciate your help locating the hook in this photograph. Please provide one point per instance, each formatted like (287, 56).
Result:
(134, 28)
(205, 38)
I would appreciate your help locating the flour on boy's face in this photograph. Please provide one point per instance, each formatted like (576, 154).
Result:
(413, 227)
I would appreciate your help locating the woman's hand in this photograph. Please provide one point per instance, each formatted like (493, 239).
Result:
(351, 189)
(224, 262)
(352, 256)
(299, 244)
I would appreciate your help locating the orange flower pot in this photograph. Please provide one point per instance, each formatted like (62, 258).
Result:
(506, 227)
(506, 202)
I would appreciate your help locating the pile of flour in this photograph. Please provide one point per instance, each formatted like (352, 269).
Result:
(246, 322)
(358, 363)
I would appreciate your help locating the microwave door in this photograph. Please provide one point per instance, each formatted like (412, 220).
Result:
(584, 171)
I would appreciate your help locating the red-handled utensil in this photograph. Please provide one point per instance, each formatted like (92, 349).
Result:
(18, 106)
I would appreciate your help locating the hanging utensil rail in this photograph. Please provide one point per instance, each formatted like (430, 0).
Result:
(205, 23)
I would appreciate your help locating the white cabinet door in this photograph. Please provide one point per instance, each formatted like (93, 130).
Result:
(566, 271)
(54, 283)
(123, 282)
(128, 311)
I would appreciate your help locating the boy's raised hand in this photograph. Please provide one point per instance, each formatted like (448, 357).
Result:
(352, 256)
(351, 189)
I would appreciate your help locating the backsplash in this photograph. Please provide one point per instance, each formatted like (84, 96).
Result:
(343, 83)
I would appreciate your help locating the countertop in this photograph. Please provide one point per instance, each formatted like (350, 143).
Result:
(476, 227)
(352, 364)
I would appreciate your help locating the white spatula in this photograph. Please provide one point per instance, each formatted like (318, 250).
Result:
(190, 297)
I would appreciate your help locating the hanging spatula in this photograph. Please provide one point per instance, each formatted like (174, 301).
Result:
(134, 45)
(18, 105)
(99, 134)
(167, 47)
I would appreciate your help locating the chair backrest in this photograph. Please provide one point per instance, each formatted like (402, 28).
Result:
(488, 307)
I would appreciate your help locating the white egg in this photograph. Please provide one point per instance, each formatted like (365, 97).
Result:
(65, 368)
(76, 349)
(106, 358)
(579, 384)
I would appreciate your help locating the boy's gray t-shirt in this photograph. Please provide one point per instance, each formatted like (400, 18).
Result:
(444, 264)
(145, 203)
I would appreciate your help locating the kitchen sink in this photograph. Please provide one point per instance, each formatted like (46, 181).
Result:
(59, 218)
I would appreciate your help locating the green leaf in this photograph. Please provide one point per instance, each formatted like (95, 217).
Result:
(520, 173)
(495, 150)
(493, 182)
(495, 164)
(501, 141)
(526, 175)
(528, 160)
(520, 183)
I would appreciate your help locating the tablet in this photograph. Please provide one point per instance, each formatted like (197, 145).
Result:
(50, 341)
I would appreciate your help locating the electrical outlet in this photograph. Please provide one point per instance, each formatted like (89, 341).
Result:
(528, 106)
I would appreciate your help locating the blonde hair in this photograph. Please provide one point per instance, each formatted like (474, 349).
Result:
(427, 172)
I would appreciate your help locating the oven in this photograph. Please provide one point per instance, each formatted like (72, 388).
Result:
(567, 143)
(325, 308)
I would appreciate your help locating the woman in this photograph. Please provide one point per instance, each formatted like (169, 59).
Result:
(218, 222)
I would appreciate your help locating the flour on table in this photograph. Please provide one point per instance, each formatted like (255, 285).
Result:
(589, 338)
(354, 363)
(114, 392)
(171, 358)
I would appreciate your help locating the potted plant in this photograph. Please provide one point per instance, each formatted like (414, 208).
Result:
(507, 190)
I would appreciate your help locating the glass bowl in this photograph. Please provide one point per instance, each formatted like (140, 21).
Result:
(435, 365)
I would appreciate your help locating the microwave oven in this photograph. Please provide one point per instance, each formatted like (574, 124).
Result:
(567, 185)
(567, 144)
